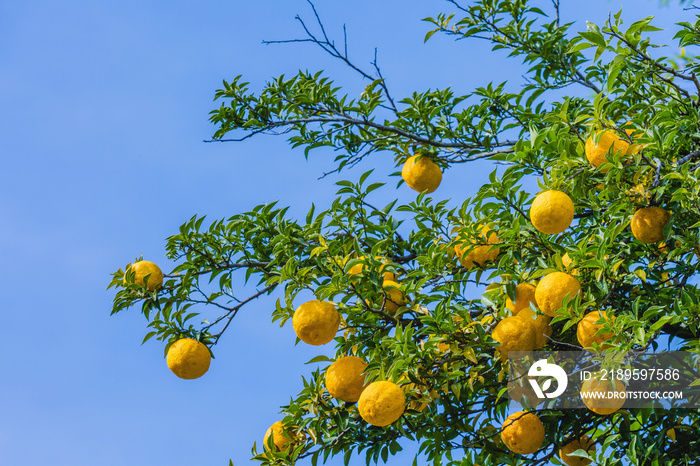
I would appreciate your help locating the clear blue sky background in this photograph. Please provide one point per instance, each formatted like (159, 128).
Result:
(103, 111)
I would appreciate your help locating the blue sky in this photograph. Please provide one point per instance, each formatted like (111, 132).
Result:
(104, 109)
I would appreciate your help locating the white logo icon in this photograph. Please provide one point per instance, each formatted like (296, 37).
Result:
(544, 369)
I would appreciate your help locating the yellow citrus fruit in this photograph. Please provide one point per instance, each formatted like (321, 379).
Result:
(316, 322)
(480, 254)
(421, 173)
(596, 152)
(648, 224)
(552, 290)
(524, 295)
(514, 334)
(394, 297)
(146, 271)
(607, 400)
(587, 329)
(541, 323)
(381, 403)
(584, 443)
(552, 212)
(523, 433)
(188, 358)
(345, 378)
(282, 438)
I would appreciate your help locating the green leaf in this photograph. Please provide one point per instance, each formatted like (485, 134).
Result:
(320, 358)
(148, 336)
(614, 69)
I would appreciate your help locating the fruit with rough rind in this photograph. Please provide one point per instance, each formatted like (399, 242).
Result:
(381, 403)
(648, 224)
(479, 255)
(541, 324)
(394, 298)
(316, 322)
(552, 290)
(421, 173)
(524, 295)
(523, 433)
(282, 439)
(188, 358)
(582, 443)
(587, 328)
(146, 271)
(552, 212)
(611, 401)
(345, 378)
(514, 334)
(598, 146)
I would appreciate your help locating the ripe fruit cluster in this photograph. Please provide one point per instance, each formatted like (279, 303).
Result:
(551, 213)
(187, 358)
(380, 403)
(481, 254)
(383, 402)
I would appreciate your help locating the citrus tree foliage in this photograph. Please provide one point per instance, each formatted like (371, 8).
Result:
(613, 77)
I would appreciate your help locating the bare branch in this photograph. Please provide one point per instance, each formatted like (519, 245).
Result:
(644, 57)
(383, 83)
(556, 10)
(329, 47)
(232, 313)
(578, 77)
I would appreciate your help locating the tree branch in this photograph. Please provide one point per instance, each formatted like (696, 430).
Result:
(232, 313)
(329, 47)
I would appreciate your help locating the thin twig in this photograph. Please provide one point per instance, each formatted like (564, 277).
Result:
(556, 9)
(235, 310)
